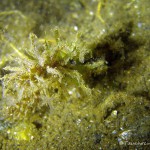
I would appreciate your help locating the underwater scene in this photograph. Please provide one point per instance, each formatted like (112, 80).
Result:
(74, 74)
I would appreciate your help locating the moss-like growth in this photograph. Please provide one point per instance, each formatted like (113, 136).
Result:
(80, 85)
(43, 77)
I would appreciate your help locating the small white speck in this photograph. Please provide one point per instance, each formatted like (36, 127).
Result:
(75, 28)
(126, 135)
(111, 13)
(78, 121)
(104, 30)
(114, 113)
(70, 92)
(91, 13)
(135, 6)
(32, 137)
(91, 121)
(45, 117)
(121, 128)
(114, 132)
(8, 131)
(139, 24)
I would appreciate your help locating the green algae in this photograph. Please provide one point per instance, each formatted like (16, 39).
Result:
(74, 84)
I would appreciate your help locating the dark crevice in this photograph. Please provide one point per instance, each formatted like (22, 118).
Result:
(37, 124)
(116, 48)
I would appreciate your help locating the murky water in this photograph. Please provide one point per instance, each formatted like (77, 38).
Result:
(91, 90)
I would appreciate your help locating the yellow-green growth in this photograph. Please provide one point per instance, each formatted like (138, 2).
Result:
(44, 76)
(22, 132)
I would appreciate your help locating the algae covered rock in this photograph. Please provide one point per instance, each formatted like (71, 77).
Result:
(74, 75)
(44, 75)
